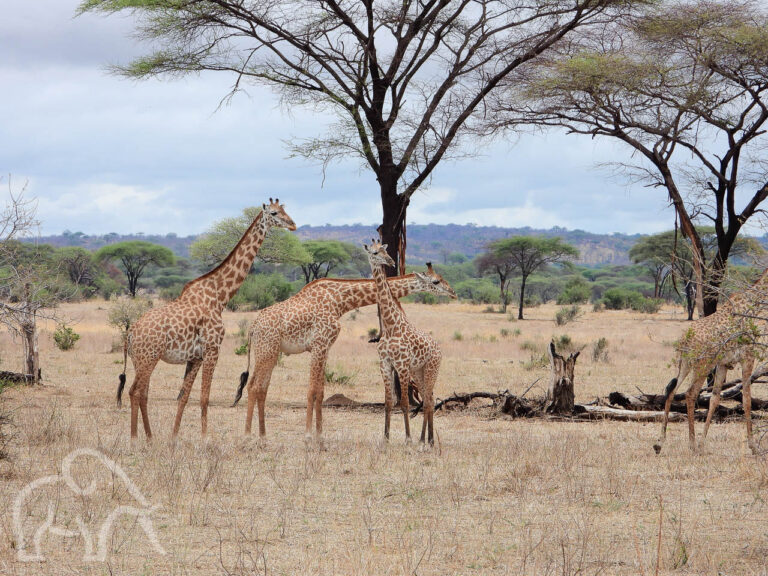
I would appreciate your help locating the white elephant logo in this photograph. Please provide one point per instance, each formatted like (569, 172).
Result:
(99, 554)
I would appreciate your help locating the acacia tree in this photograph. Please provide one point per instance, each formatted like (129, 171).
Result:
(279, 247)
(325, 255)
(134, 256)
(683, 86)
(669, 257)
(29, 283)
(524, 255)
(406, 79)
(492, 262)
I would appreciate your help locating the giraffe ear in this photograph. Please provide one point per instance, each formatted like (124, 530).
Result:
(384, 246)
(422, 277)
(263, 206)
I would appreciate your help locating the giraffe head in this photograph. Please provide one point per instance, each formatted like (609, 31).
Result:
(377, 254)
(434, 283)
(274, 215)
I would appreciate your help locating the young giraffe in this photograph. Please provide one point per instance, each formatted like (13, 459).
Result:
(309, 322)
(412, 354)
(718, 342)
(189, 330)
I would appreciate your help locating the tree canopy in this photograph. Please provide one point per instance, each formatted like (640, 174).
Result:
(279, 247)
(134, 256)
(523, 255)
(683, 85)
(326, 255)
(407, 80)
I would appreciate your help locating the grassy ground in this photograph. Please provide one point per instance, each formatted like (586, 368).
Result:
(496, 496)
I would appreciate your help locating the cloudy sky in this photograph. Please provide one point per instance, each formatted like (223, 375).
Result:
(104, 154)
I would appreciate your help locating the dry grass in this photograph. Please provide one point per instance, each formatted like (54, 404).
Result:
(496, 497)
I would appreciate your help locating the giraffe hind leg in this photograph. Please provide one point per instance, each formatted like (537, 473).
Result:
(669, 394)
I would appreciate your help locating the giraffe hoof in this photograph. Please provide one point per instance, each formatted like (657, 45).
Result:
(657, 448)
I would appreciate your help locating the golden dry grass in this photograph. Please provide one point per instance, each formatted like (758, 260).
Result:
(498, 496)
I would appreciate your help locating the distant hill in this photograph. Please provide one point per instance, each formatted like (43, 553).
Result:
(435, 242)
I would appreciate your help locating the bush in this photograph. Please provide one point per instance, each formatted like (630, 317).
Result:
(172, 292)
(242, 350)
(457, 336)
(478, 290)
(339, 377)
(423, 298)
(565, 344)
(619, 298)
(261, 290)
(600, 350)
(647, 305)
(65, 337)
(577, 291)
(567, 314)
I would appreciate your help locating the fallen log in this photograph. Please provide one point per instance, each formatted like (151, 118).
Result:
(16, 377)
(591, 412)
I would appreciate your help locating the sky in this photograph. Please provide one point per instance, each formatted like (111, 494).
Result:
(105, 154)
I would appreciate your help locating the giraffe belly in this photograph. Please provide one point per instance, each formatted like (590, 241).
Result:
(290, 347)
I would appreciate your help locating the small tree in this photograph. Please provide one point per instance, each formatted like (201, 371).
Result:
(29, 282)
(526, 254)
(493, 263)
(279, 246)
(134, 257)
(669, 256)
(79, 265)
(124, 312)
(325, 255)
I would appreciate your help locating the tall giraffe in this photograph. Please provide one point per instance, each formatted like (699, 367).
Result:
(403, 350)
(730, 336)
(309, 322)
(189, 330)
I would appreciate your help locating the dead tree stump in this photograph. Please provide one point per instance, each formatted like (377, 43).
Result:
(560, 395)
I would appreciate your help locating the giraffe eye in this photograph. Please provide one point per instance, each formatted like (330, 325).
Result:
(435, 282)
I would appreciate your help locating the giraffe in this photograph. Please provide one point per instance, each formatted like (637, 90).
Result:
(403, 350)
(730, 336)
(309, 322)
(189, 330)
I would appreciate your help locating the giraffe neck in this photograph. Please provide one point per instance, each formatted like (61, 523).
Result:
(390, 308)
(227, 277)
(358, 293)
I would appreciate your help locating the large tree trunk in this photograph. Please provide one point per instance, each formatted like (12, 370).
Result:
(392, 229)
(690, 298)
(522, 299)
(560, 394)
(32, 360)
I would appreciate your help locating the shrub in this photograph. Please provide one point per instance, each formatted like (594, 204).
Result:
(478, 291)
(339, 377)
(577, 291)
(261, 290)
(504, 332)
(528, 345)
(619, 298)
(171, 292)
(647, 305)
(457, 336)
(242, 350)
(65, 337)
(373, 333)
(536, 361)
(423, 298)
(567, 314)
(124, 311)
(600, 350)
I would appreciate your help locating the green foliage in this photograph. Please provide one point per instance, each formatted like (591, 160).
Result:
(477, 290)
(567, 314)
(134, 256)
(65, 337)
(577, 291)
(242, 350)
(261, 290)
(327, 255)
(280, 246)
(338, 376)
(623, 298)
(458, 336)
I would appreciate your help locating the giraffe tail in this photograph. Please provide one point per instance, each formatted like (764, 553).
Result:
(243, 376)
(121, 378)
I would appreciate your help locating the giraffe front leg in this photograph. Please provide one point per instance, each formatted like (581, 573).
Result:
(405, 379)
(690, 403)
(669, 395)
(746, 397)
(317, 391)
(209, 365)
(388, 376)
(720, 372)
(189, 378)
